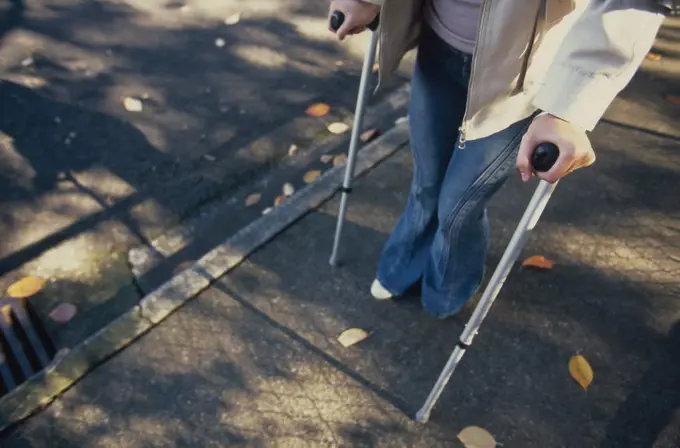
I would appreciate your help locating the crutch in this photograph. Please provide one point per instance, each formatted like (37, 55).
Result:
(337, 18)
(543, 158)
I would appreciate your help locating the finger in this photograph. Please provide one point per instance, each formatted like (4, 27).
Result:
(526, 148)
(561, 168)
(346, 27)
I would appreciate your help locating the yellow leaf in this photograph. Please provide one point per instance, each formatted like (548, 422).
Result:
(538, 261)
(318, 110)
(253, 199)
(26, 287)
(338, 128)
(581, 371)
(311, 176)
(339, 160)
(476, 437)
(352, 336)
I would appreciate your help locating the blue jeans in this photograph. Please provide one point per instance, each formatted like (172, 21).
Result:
(442, 237)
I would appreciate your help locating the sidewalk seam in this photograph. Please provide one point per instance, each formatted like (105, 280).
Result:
(152, 309)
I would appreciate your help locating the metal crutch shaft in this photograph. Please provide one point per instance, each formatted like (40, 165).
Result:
(543, 159)
(336, 21)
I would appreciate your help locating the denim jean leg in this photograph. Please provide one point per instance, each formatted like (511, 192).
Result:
(456, 262)
(436, 108)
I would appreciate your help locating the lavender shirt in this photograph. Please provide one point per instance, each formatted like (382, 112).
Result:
(455, 21)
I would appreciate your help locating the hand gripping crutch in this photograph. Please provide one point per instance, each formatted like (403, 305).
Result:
(543, 158)
(337, 18)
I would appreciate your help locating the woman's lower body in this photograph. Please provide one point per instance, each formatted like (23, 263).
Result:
(442, 237)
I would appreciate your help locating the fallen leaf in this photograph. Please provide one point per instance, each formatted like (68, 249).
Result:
(352, 336)
(476, 437)
(339, 160)
(369, 135)
(338, 128)
(580, 370)
(292, 150)
(673, 99)
(318, 110)
(310, 176)
(326, 158)
(539, 262)
(288, 189)
(63, 313)
(232, 19)
(651, 56)
(26, 287)
(253, 199)
(279, 200)
(219, 42)
(132, 104)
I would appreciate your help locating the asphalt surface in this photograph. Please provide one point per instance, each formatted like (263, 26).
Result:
(254, 360)
(84, 180)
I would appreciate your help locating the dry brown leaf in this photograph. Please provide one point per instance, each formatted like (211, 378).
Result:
(310, 176)
(288, 189)
(338, 128)
(352, 336)
(26, 287)
(476, 437)
(369, 135)
(326, 158)
(651, 56)
(253, 199)
(63, 313)
(539, 262)
(673, 99)
(339, 160)
(318, 110)
(279, 200)
(580, 371)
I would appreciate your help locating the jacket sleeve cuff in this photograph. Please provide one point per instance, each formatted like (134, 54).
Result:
(578, 99)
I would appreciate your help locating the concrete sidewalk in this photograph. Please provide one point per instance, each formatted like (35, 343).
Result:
(253, 361)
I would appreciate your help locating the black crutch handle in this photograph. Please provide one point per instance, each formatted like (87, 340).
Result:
(544, 157)
(338, 18)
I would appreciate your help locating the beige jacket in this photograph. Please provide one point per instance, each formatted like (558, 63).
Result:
(566, 57)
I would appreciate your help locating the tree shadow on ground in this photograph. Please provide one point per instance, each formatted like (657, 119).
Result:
(75, 164)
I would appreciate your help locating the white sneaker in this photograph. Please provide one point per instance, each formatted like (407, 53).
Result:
(379, 292)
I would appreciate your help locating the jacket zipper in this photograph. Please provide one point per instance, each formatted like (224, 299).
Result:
(461, 130)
